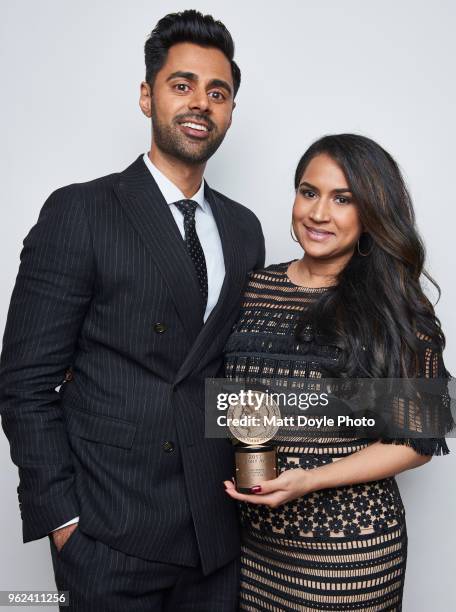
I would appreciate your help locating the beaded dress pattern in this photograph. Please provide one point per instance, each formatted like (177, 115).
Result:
(334, 549)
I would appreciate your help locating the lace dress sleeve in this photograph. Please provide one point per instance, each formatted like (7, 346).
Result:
(425, 420)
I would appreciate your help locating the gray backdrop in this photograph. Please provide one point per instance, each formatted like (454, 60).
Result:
(69, 112)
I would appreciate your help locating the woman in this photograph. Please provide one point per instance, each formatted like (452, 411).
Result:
(331, 534)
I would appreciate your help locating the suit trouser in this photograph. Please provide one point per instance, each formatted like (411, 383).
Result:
(102, 579)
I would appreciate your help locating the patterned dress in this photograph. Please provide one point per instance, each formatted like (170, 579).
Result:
(334, 549)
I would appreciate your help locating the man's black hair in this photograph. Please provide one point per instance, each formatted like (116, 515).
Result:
(188, 26)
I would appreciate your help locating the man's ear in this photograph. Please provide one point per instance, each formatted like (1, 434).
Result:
(145, 99)
(231, 116)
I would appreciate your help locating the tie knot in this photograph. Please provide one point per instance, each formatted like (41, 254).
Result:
(187, 207)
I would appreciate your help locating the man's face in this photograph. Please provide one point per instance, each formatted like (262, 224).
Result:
(191, 102)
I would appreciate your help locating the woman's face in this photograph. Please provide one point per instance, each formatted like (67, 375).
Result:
(325, 218)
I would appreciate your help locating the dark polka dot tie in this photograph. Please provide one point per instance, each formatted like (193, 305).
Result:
(195, 250)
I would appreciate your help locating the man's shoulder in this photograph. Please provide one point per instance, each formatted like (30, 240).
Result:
(82, 198)
(95, 186)
(237, 208)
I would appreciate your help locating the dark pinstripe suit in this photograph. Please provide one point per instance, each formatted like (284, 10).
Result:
(107, 288)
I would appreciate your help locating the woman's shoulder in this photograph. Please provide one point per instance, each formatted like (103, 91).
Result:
(429, 355)
(426, 344)
(274, 272)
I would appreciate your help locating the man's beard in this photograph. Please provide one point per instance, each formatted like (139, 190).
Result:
(170, 140)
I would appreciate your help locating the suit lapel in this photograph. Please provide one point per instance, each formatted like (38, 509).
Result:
(149, 213)
(233, 254)
(235, 277)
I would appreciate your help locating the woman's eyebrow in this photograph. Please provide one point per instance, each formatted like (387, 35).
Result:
(337, 190)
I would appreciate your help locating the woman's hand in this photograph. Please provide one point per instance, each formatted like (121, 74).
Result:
(289, 485)
(375, 462)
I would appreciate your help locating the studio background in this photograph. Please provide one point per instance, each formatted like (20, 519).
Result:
(69, 113)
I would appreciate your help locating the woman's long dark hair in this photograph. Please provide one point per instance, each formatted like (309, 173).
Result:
(377, 307)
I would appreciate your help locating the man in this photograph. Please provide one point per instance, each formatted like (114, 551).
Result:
(127, 290)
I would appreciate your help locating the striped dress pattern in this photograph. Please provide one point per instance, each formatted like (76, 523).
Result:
(334, 549)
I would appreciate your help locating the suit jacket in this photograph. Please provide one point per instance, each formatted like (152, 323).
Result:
(106, 287)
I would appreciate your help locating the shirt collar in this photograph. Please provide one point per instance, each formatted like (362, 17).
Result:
(170, 191)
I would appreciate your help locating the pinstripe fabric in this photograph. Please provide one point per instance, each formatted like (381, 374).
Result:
(102, 579)
(104, 264)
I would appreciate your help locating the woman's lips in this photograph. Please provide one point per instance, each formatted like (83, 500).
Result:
(318, 235)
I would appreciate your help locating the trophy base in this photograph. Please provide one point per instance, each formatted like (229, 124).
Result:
(253, 465)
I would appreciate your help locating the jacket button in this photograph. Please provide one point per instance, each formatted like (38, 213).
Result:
(168, 446)
(69, 375)
(159, 328)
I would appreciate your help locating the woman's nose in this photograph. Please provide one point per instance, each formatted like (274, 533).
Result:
(320, 210)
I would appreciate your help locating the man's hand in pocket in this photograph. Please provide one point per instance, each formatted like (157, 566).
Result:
(60, 536)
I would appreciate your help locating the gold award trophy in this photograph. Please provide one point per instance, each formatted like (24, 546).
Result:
(253, 423)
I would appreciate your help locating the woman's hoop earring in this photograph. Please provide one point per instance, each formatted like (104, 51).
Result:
(369, 251)
(293, 237)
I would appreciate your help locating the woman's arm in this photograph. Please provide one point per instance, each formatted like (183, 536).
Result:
(374, 462)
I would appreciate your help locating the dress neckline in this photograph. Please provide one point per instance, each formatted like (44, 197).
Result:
(302, 287)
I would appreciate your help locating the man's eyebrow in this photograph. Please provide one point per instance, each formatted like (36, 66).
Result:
(221, 83)
(190, 76)
(338, 190)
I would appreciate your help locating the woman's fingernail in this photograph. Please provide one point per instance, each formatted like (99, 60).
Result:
(256, 489)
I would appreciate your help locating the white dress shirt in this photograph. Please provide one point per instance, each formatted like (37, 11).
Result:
(206, 228)
(208, 235)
